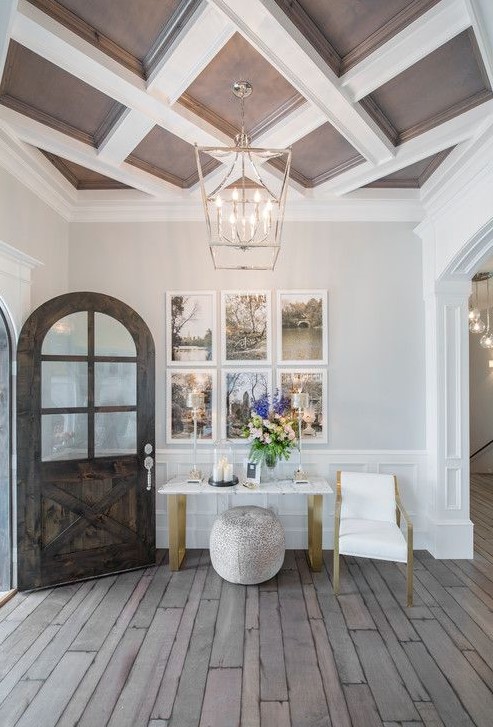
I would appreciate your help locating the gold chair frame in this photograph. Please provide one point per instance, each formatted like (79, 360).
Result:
(399, 510)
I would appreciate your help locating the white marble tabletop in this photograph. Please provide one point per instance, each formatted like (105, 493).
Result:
(179, 486)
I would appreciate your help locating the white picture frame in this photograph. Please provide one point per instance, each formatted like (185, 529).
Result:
(314, 382)
(252, 471)
(179, 422)
(302, 327)
(198, 332)
(242, 346)
(245, 385)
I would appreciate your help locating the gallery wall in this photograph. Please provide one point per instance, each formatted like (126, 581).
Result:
(372, 272)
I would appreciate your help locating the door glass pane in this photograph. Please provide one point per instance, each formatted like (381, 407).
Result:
(68, 336)
(115, 433)
(63, 436)
(63, 384)
(115, 384)
(111, 338)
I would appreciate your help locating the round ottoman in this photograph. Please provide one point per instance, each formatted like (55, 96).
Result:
(247, 545)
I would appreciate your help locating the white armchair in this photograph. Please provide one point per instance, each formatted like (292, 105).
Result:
(367, 522)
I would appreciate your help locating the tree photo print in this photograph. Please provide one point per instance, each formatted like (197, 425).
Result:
(240, 390)
(246, 327)
(190, 328)
(302, 328)
(180, 418)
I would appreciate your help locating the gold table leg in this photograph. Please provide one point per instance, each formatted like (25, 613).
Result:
(315, 511)
(177, 529)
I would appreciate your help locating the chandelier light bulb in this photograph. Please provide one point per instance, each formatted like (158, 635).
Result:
(219, 203)
(235, 195)
(256, 197)
(477, 326)
(474, 314)
(486, 341)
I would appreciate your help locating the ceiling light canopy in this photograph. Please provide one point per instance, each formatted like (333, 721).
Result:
(244, 199)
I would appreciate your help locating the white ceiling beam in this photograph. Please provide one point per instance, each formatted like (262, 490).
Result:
(8, 9)
(264, 24)
(126, 134)
(51, 40)
(441, 137)
(292, 127)
(43, 137)
(431, 30)
(481, 14)
(202, 38)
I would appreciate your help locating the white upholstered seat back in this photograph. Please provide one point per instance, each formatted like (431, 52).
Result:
(368, 496)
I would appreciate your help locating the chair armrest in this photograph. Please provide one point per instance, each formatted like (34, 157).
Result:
(406, 517)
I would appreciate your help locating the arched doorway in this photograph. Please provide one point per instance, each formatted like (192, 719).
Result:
(6, 360)
(85, 425)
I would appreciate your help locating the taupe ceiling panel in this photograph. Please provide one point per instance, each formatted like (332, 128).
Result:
(413, 176)
(321, 155)
(211, 96)
(167, 156)
(442, 85)
(45, 92)
(134, 32)
(81, 177)
(346, 31)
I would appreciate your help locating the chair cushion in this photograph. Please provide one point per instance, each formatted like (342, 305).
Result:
(368, 495)
(372, 539)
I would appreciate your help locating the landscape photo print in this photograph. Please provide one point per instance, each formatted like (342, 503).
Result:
(246, 327)
(302, 326)
(240, 389)
(191, 328)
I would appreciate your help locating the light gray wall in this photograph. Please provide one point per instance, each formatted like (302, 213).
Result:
(30, 225)
(481, 404)
(376, 320)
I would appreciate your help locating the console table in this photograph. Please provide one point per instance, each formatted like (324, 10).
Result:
(178, 488)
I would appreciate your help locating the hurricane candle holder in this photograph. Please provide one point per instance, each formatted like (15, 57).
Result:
(195, 401)
(300, 401)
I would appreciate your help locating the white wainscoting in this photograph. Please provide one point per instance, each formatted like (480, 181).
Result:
(408, 465)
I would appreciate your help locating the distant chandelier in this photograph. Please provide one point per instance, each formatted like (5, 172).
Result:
(476, 324)
(244, 213)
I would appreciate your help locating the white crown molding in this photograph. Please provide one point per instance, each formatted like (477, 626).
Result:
(360, 208)
(15, 255)
(36, 173)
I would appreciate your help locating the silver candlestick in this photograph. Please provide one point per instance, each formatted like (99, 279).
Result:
(300, 401)
(195, 401)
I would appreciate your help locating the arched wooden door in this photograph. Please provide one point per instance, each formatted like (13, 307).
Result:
(85, 425)
(5, 454)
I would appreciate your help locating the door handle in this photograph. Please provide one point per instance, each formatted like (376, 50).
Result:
(149, 464)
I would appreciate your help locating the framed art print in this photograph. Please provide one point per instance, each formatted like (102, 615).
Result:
(302, 327)
(179, 420)
(246, 327)
(191, 328)
(314, 383)
(239, 389)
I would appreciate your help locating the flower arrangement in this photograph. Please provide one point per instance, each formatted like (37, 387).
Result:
(271, 429)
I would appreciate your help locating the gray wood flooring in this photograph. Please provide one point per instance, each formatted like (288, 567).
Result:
(155, 649)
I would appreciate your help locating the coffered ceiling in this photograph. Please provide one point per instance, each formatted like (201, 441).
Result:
(111, 96)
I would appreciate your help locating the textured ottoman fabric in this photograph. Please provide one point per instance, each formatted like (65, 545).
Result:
(247, 545)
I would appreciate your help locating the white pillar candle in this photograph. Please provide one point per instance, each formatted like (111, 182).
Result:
(228, 472)
(218, 473)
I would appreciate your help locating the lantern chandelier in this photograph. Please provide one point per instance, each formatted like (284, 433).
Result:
(476, 324)
(245, 210)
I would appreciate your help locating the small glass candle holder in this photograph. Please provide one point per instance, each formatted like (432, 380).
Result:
(223, 465)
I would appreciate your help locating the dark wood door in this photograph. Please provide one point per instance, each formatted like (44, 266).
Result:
(85, 424)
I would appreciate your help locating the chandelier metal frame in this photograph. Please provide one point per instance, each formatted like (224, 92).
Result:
(244, 214)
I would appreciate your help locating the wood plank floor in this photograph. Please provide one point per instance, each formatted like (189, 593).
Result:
(156, 649)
